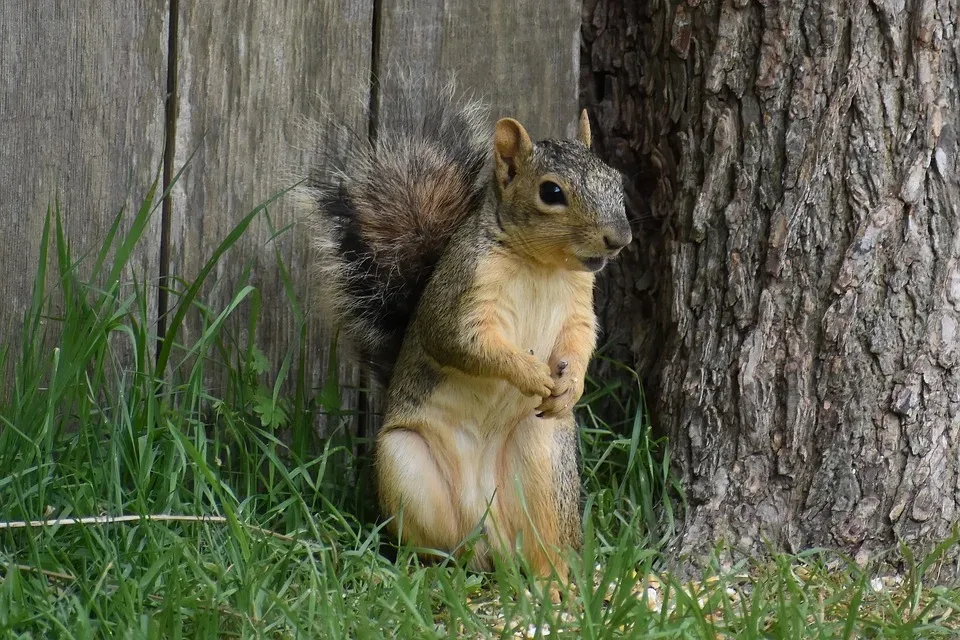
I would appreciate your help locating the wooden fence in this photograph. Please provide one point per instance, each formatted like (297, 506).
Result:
(85, 116)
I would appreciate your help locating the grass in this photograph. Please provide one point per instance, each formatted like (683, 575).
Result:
(134, 503)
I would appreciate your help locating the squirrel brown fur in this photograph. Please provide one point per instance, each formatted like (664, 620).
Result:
(461, 265)
(381, 214)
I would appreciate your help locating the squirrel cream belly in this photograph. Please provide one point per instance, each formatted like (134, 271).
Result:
(480, 416)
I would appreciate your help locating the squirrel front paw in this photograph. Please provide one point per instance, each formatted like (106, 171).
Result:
(567, 390)
(533, 377)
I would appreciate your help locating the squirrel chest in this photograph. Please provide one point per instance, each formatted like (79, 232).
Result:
(531, 307)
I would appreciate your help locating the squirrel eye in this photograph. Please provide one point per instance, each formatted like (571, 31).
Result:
(552, 194)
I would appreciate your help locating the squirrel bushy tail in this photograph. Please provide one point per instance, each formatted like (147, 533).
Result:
(381, 213)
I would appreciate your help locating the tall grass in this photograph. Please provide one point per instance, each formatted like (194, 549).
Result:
(136, 503)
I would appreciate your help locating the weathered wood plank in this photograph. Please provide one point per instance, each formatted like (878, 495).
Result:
(522, 57)
(247, 72)
(81, 121)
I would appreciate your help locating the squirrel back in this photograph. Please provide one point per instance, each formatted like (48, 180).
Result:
(382, 214)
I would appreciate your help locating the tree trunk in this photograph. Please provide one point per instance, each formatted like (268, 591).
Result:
(795, 291)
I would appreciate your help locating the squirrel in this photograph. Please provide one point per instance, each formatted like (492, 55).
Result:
(459, 262)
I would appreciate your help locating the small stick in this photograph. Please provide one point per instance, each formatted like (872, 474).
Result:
(163, 517)
(65, 577)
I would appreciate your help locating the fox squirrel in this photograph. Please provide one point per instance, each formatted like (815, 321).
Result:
(461, 266)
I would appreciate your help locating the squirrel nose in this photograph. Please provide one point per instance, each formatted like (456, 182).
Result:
(616, 239)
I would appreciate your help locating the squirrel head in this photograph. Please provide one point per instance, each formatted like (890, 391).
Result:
(558, 202)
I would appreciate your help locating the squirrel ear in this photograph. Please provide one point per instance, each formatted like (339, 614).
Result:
(512, 147)
(583, 135)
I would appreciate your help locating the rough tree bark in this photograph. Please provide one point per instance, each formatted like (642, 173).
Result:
(794, 175)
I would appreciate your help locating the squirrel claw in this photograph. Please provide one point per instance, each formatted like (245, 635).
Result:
(554, 406)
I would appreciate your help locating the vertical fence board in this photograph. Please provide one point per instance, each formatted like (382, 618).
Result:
(247, 72)
(522, 57)
(81, 121)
